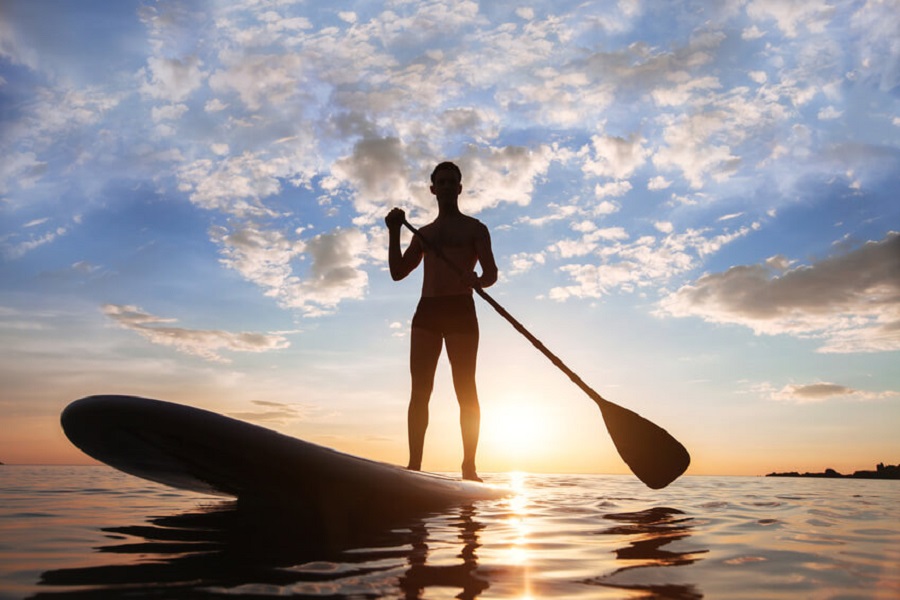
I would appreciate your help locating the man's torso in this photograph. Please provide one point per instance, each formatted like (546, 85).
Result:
(456, 239)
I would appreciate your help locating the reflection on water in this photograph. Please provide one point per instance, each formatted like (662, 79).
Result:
(651, 534)
(247, 551)
(421, 575)
(227, 549)
(85, 533)
(244, 551)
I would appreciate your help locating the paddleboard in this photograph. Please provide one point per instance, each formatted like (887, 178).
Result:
(202, 451)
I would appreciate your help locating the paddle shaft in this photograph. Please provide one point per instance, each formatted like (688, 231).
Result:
(600, 400)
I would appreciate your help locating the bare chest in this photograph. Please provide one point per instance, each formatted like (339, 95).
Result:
(451, 237)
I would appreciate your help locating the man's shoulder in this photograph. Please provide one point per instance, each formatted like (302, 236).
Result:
(461, 222)
(474, 223)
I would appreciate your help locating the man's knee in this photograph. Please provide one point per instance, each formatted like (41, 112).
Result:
(422, 385)
(467, 399)
(420, 396)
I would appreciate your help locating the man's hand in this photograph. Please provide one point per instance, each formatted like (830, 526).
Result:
(395, 219)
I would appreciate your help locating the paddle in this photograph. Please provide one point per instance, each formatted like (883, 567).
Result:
(653, 455)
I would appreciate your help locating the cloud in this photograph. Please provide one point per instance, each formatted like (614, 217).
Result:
(830, 113)
(385, 172)
(12, 42)
(820, 392)
(11, 249)
(613, 189)
(171, 79)
(522, 262)
(555, 212)
(636, 69)
(55, 113)
(589, 241)
(558, 97)
(260, 79)
(271, 259)
(204, 343)
(335, 273)
(378, 170)
(695, 144)
(629, 266)
(877, 24)
(20, 169)
(658, 183)
(684, 91)
(752, 33)
(262, 256)
(238, 185)
(276, 413)
(479, 123)
(850, 301)
(814, 15)
(494, 175)
(709, 138)
(259, 242)
(169, 112)
(615, 156)
(525, 13)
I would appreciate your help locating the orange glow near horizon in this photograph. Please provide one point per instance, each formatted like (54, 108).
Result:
(520, 432)
(588, 460)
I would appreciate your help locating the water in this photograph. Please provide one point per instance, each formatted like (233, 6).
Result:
(91, 532)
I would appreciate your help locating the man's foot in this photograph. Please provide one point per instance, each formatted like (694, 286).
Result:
(472, 476)
(412, 467)
(468, 473)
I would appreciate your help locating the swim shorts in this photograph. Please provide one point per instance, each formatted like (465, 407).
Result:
(446, 314)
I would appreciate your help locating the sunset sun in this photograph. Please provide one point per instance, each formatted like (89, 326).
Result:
(518, 429)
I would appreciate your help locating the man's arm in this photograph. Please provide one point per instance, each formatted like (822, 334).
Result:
(485, 258)
(401, 263)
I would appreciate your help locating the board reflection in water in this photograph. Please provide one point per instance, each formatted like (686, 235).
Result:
(237, 550)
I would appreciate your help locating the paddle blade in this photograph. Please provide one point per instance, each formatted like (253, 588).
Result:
(655, 457)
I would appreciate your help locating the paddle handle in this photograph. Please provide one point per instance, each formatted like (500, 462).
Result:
(602, 402)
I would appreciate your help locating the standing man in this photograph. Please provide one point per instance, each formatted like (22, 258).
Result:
(446, 310)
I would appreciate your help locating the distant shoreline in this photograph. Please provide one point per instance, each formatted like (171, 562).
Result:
(881, 472)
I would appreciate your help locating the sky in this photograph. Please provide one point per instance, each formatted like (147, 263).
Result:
(693, 204)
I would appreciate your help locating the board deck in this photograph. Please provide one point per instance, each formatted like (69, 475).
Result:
(202, 451)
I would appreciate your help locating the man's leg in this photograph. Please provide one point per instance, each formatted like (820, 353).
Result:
(424, 352)
(462, 350)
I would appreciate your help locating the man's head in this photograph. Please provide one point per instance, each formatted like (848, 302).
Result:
(447, 166)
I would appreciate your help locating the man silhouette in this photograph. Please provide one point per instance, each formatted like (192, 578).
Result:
(453, 244)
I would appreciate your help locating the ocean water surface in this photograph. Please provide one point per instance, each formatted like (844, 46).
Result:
(92, 532)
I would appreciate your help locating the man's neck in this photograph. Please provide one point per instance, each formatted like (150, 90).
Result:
(449, 208)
